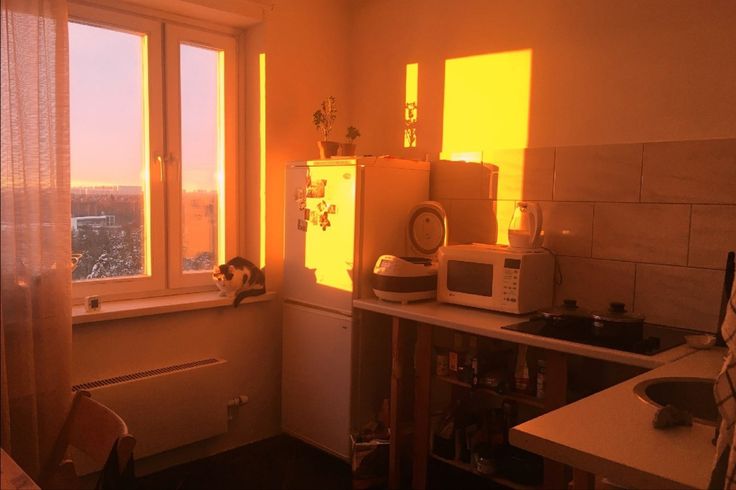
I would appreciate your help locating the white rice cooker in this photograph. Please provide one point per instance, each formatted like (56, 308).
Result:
(414, 278)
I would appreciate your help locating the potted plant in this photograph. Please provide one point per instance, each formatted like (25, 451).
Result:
(348, 148)
(323, 119)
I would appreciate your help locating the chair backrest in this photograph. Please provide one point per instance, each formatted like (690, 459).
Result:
(94, 429)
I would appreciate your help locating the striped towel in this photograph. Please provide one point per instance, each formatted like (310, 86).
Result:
(724, 467)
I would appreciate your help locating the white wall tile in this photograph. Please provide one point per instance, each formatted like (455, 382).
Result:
(568, 227)
(524, 173)
(595, 283)
(679, 296)
(656, 233)
(712, 235)
(690, 171)
(598, 173)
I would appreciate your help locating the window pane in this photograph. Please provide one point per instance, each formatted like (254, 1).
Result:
(108, 152)
(202, 156)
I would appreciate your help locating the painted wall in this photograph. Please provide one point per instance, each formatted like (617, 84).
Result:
(602, 72)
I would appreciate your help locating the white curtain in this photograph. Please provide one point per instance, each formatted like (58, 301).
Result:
(35, 233)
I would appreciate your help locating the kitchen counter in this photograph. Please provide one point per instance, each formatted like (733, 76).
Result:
(610, 434)
(488, 324)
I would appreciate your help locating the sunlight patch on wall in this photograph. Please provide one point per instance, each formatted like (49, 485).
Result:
(410, 105)
(220, 172)
(486, 108)
(262, 158)
(146, 157)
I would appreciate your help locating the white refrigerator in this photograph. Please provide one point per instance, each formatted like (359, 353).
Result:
(340, 215)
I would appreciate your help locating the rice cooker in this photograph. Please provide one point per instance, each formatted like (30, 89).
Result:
(413, 278)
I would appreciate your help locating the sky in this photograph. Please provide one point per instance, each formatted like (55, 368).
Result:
(107, 111)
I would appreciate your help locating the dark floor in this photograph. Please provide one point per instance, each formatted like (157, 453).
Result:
(284, 463)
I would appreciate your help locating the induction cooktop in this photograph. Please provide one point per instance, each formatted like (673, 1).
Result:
(655, 338)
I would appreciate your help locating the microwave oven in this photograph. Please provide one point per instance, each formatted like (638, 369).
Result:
(495, 277)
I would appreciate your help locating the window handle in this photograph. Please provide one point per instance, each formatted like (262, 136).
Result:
(160, 161)
(163, 160)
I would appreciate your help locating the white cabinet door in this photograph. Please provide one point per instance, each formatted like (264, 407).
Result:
(316, 378)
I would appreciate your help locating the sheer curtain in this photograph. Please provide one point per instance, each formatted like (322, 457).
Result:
(35, 230)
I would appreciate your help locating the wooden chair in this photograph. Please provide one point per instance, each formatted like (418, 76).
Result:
(93, 429)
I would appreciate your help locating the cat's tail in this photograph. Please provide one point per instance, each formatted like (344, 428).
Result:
(247, 293)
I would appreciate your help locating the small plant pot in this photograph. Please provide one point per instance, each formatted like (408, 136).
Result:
(347, 149)
(328, 149)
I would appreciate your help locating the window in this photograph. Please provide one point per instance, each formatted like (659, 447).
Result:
(153, 163)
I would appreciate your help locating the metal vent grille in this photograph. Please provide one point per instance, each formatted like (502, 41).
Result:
(142, 374)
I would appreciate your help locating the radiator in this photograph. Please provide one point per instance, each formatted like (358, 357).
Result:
(167, 407)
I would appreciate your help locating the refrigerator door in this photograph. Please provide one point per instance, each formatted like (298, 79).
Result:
(319, 235)
(316, 378)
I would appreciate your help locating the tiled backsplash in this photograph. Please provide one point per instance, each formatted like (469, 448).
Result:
(648, 224)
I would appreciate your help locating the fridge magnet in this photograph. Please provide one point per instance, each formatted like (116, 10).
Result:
(299, 194)
(302, 204)
(306, 214)
(317, 189)
(324, 221)
(314, 217)
(301, 225)
(332, 209)
(321, 206)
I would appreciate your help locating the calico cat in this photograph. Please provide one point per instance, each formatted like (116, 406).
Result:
(240, 277)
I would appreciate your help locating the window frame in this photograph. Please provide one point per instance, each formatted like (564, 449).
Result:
(175, 35)
(163, 263)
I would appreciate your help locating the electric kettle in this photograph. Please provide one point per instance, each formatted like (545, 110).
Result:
(525, 229)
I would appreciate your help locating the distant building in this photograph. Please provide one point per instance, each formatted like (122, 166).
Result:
(92, 221)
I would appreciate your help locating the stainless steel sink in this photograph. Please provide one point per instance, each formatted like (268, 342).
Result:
(692, 394)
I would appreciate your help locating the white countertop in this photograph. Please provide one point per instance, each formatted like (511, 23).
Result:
(610, 433)
(488, 324)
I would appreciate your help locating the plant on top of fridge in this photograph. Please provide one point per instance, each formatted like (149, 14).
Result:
(324, 117)
(352, 134)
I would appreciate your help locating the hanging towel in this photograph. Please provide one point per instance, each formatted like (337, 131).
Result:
(723, 475)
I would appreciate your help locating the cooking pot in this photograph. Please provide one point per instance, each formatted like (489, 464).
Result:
(618, 326)
(568, 321)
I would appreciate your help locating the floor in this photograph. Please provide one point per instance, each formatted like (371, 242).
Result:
(283, 463)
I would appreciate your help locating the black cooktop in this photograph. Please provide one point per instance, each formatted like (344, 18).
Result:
(655, 338)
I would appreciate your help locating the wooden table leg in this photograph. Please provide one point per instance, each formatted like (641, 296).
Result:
(423, 378)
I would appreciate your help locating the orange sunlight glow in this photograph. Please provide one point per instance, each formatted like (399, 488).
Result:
(486, 108)
(329, 252)
(262, 157)
(220, 168)
(410, 105)
(146, 238)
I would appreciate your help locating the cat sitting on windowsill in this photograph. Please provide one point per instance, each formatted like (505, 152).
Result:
(239, 277)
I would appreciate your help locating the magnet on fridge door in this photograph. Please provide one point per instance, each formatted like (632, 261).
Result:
(324, 221)
(301, 225)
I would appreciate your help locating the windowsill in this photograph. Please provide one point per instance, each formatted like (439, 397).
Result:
(133, 308)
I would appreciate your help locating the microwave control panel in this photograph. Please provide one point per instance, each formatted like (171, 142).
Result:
(511, 269)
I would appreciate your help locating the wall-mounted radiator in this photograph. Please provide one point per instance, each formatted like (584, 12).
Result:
(167, 407)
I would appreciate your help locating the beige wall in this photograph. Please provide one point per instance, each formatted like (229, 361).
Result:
(602, 72)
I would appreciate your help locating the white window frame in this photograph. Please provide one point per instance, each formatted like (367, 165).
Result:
(163, 152)
(175, 36)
